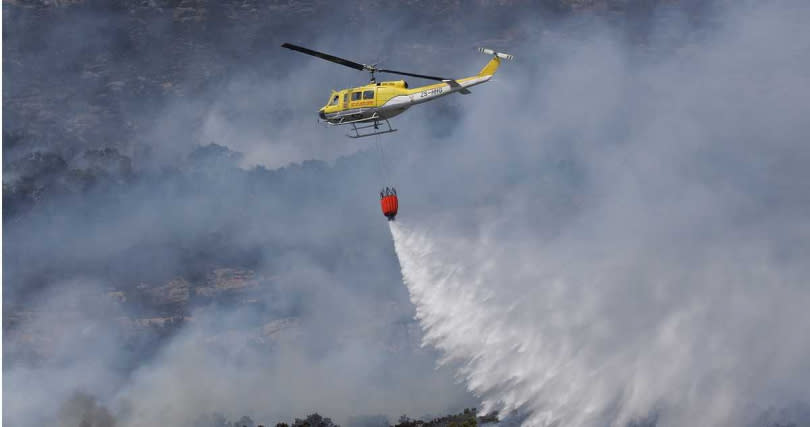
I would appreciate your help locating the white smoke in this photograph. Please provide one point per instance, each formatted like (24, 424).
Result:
(630, 233)
(631, 240)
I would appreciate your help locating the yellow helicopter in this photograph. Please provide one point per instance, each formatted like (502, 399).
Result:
(365, 108)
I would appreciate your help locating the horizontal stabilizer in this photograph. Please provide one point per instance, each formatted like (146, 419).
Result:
(501, 55)
(457, 87)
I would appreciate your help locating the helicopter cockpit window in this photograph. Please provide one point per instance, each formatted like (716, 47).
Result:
(369, 94)
(334, 100)
(356, 96)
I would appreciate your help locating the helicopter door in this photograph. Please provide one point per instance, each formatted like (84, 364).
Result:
(346, 100)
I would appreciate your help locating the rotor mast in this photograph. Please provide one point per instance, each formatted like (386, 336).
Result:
(371, 69)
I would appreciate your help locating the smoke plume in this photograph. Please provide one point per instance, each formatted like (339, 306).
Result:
(629, 246)
(614, 229)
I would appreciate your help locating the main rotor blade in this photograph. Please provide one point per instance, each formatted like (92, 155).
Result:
(355, 65)
(335, 59)
(421, 76)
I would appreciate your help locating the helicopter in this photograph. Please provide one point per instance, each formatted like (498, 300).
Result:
(367, 108)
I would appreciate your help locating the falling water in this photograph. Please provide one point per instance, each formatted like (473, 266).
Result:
(610, 343)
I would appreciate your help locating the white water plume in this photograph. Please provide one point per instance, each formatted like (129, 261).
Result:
(629, 244)
(610, 338)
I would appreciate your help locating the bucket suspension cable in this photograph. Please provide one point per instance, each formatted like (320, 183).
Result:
(386, 169)
(388, 195)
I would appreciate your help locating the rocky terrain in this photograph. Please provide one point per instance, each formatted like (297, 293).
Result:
(98, 84)
(112, 192)
(85, 82)
(160, 309)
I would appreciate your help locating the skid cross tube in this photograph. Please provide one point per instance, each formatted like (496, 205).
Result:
(375, 125)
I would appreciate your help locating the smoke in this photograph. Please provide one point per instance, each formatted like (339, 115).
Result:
(627, 184)
(83, 410)
(624, 240)
(242, 278)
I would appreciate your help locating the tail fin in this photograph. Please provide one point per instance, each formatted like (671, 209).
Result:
(492, 65)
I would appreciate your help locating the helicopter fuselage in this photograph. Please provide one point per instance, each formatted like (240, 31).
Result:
(384, 100)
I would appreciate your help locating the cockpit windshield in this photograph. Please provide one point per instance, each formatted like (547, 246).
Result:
(334, 100)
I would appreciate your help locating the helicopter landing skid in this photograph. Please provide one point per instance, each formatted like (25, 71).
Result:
(358, 130)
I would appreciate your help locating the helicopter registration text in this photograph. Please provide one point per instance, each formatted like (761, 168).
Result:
(431, 92)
